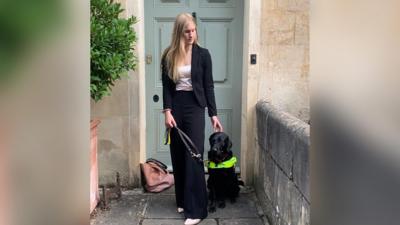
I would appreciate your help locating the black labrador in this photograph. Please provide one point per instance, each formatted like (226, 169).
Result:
(222, 182)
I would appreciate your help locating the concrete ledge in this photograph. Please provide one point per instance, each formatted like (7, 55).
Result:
(283, 180)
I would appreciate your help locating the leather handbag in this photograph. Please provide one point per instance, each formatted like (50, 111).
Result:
(155, 176)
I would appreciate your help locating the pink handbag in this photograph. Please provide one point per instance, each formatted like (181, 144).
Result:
(155, 176)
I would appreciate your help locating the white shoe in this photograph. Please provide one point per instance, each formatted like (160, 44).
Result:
(180, 210)
(192, 221)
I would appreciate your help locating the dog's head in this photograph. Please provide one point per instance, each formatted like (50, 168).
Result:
(220, 145)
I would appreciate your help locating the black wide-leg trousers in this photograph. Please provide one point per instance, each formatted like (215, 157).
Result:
(190, 184)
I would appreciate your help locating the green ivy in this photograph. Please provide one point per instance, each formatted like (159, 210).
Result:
(112, 42)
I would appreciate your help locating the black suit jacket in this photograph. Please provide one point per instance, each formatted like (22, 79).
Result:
(202, 81)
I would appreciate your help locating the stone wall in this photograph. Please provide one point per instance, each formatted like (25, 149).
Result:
(116, 146)
(282, 180)
(284, 56)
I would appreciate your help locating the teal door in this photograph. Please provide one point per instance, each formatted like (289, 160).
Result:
(220, 30)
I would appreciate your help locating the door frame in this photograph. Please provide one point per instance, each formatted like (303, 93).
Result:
(251, 44)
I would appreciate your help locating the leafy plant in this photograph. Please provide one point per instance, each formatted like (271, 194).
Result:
(24, 27)
(112, 41)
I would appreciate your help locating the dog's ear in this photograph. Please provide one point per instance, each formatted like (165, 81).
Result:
(211, 138)
(228, 143)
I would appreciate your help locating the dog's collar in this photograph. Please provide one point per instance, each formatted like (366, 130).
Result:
(225, 164)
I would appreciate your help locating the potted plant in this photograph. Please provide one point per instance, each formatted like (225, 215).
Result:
(112, 42)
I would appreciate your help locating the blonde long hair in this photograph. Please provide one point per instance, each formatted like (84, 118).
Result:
(175, 53)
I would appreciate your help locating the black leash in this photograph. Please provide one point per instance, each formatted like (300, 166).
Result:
(190, 146)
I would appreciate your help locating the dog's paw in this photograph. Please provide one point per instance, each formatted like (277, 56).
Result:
(233, 200)
(212, 209)
(221, 205)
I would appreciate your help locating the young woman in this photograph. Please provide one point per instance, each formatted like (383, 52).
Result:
(188, 89)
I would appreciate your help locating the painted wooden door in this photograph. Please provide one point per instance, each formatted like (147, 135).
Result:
(220, 30)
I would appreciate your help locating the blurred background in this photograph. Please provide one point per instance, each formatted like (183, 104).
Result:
(355, 112)
(44, 97)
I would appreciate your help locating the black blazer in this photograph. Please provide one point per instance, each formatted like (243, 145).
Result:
(202, 81)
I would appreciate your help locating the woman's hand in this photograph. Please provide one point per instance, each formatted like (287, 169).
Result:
(216, 124)
(169, 120)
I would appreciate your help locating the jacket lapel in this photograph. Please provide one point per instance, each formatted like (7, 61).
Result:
(195, 63)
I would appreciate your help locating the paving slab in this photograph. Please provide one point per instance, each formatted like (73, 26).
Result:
(244, 207)
(169, 191)
(162, 207)
(246, 221)
(140, 208)
(175, 222)
(126, 211)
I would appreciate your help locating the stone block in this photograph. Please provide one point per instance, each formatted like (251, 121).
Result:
(292, 97)
(280, 142)
(259, 179)
(262, 113)
(270, 174)
(302, 31)
(281, 37)
(289, 200)
(301, 161)
(268, 5)
(113, 155)
(265, 203)
(282, 139)
(278, 28)
(294, 5)
(287, 59)
(304, 213)
(117, 104)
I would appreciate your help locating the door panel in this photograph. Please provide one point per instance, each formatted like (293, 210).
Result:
(215, 33)
(169, 3)
(162, 39)
(220, 30)
(217, 3)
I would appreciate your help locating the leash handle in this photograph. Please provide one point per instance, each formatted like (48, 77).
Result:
(167, 136)
(189, 146)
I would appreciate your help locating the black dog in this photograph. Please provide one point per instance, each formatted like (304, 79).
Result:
(222, 182)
